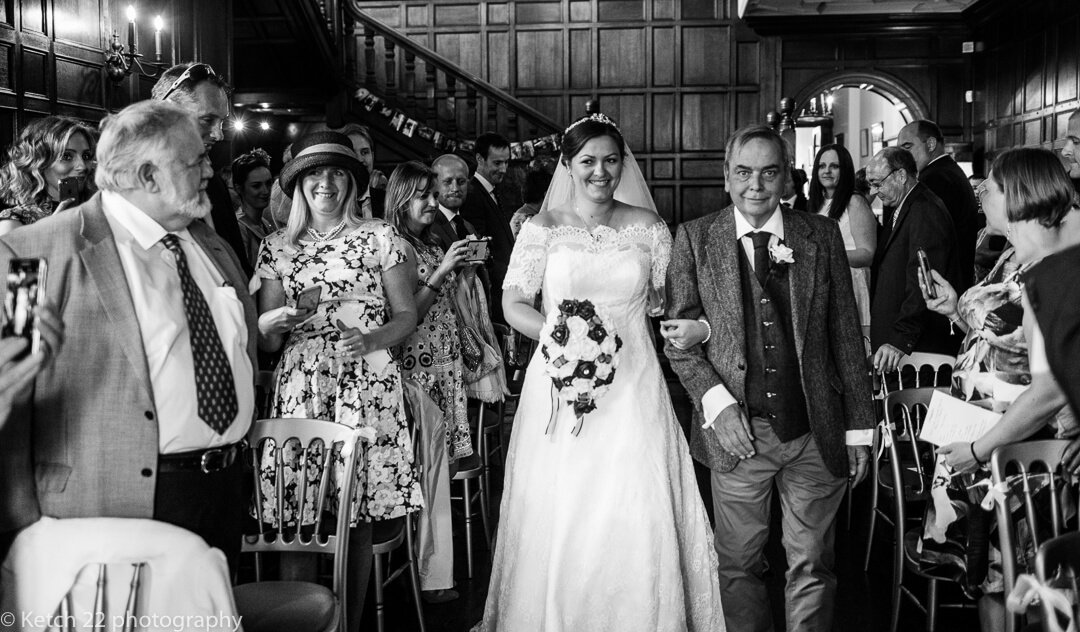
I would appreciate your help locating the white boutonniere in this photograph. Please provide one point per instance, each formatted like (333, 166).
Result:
(781, 254)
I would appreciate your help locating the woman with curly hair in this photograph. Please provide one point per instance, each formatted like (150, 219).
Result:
(47, 151)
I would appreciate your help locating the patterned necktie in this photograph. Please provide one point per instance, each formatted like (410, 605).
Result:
(214, 388)
(459, 227)
(761, 255)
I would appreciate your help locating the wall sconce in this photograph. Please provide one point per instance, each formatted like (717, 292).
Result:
(120, 64)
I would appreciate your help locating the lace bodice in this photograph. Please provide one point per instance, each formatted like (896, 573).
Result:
(611, 267)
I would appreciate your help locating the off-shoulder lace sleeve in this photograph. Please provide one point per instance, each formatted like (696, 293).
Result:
(527, 263)
(661, 253)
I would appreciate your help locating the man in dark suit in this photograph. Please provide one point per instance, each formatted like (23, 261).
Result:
(1070, 153)
(452, 182)
(142, 413)
(900, 323)
(940, 173)
(481, 208)
(198, 89)
(779, 397)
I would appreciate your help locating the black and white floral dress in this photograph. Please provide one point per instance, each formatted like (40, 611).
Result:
(315, 381)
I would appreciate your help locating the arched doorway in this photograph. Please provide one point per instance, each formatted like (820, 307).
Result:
(862, 111)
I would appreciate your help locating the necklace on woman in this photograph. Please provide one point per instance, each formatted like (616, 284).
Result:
(606, 215)
(330, 234)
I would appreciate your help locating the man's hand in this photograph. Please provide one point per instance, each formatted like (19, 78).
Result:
(733, 431)
(1070, 459)
(887, 358)
(858, 457)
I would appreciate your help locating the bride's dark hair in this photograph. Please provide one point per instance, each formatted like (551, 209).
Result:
(587, 128)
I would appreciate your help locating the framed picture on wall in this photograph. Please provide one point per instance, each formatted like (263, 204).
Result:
(877, 137)
(864, 143)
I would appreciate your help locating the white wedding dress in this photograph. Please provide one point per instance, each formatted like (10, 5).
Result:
(606, 530)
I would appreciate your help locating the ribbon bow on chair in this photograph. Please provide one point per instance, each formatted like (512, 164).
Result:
(1029, 589)
(994, 493)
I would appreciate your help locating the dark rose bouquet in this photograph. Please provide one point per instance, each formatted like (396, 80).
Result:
(581, 348)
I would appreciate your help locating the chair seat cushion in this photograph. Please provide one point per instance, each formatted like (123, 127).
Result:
(285, 606)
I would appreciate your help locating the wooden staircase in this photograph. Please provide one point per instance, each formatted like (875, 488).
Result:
(401, 76)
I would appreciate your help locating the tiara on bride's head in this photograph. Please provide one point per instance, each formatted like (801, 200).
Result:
(597, 117)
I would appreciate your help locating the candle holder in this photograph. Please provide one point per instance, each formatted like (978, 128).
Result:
(120, 64)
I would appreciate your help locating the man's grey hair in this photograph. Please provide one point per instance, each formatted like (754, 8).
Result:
(185, 92)
(748, 133)
(899, 158)
(137, 135)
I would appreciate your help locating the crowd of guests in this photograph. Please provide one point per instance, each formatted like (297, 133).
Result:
(354, 286)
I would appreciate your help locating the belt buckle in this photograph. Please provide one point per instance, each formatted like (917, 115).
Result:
(215, 460)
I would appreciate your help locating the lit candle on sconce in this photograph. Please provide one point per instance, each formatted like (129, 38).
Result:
(132, 36)
(159, 24)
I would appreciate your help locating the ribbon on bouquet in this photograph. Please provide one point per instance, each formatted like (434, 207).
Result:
(1029, 590)
(555, 413)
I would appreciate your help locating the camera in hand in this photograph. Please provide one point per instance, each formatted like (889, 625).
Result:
(25, 290)
(478, 250)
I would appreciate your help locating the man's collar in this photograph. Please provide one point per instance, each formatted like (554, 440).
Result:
(933, 160)
(489, 187)
(774, 225)
(447, 213)
(144, 229)
(900, 204)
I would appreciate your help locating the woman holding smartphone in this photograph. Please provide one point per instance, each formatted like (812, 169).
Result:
(336, 365)
(1028, 198)
(49, 168)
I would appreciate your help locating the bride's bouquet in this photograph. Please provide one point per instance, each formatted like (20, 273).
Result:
(581, 349)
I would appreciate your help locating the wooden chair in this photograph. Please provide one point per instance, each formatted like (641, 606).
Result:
(111, 574)
(1026, 468)
(470, 469)
(388, 536)
(299, 605)
(1058, 564)
(913, 490)
(903, 412)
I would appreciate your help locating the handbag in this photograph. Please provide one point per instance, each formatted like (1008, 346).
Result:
(472, 351)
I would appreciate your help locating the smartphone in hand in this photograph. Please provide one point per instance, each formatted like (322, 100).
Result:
(309, 298)
(69, 188)
(924, 265)
(25, 291)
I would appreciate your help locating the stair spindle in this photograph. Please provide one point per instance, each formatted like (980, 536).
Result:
(410, 81)
(391, 70)
(473, 114)
(369, 58)
(492, 114)
(432, 104)
(451, 105)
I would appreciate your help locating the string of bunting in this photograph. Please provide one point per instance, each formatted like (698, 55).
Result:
(524, 150)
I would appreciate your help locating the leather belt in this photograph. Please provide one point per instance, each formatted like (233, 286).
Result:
(205, 461)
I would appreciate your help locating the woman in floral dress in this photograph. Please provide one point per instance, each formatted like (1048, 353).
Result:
(336, 365)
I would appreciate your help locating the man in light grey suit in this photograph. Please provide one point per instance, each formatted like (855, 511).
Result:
(142, 412)
(780, 388)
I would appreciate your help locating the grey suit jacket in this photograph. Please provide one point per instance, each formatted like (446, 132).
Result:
(703, 280)
(86, 443)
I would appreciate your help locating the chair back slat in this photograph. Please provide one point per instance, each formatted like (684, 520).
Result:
(912, 404)
(1027, 459)
(132, 605)
(1058, 564)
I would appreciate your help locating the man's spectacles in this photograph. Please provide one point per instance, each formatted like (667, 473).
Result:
(768, 175)
(877, 185)
(195, 73)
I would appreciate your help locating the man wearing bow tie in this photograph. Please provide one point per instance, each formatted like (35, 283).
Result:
(779, 390)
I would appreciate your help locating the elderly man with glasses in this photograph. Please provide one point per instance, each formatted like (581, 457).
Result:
(198, 89)
(900, 323)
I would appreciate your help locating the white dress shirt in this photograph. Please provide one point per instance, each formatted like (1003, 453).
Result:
(448, 213)
(154, 283)
(718, 397)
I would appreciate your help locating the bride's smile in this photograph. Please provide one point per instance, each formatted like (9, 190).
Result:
(598, 167)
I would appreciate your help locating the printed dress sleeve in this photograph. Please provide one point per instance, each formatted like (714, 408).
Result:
(527, 262)
(661, 253)
(391, 247)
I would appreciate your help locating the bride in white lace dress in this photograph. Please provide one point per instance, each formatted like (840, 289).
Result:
(604, 530)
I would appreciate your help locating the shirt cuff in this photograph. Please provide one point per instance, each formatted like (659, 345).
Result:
(860, 437)
(715, 400)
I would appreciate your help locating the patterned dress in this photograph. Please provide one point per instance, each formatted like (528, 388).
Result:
(27, 214)
(432, 355)
(314, 381)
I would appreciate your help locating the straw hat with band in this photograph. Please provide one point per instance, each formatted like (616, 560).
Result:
(322, 149)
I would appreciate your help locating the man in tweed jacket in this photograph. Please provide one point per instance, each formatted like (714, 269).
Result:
(780, 387)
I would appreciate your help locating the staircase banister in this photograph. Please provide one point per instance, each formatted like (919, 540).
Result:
(448, 67)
